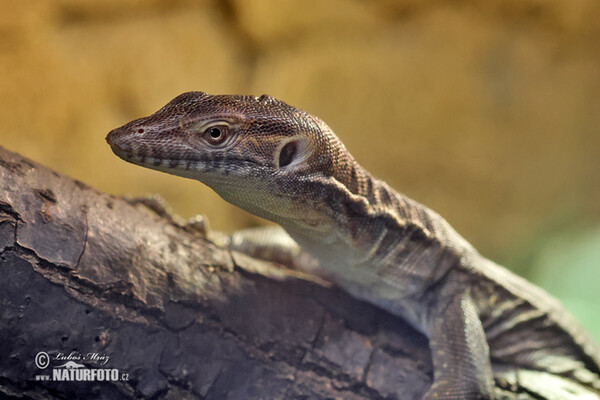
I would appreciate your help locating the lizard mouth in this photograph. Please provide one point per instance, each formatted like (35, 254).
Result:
(181, 159)
(163, 164)
(185, 163)
(140, 156)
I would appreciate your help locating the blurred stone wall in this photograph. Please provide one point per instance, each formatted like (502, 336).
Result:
(487, 111)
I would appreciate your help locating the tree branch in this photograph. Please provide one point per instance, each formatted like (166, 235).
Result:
(114, 284)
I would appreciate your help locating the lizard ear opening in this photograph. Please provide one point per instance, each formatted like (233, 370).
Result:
(287, 153)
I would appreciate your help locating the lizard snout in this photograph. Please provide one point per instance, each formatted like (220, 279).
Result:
(125, 143)
(117, 139)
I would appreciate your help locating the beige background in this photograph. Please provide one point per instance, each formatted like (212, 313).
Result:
(486, 111)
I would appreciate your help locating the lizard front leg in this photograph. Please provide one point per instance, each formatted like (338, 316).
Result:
(459, 349)
(272, 243)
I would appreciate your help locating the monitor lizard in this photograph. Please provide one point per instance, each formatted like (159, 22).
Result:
(287, 166)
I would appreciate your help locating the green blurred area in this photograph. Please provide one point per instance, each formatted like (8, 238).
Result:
(567, 264)
(486, 111)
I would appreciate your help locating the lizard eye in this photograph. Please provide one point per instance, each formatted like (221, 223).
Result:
(216, 134)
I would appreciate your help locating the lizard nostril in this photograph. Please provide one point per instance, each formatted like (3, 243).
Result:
(141, 130)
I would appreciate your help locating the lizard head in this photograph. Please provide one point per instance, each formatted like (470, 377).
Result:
(258, 153)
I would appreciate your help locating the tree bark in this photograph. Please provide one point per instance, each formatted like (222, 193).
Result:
(111, 284)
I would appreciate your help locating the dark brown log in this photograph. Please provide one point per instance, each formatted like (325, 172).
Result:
(83, 272)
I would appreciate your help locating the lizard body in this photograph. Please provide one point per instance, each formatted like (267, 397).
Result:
(287, 166)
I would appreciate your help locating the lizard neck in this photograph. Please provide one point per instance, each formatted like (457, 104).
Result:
(368, 231)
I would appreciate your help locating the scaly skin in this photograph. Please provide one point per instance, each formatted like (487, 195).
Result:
(287, 166)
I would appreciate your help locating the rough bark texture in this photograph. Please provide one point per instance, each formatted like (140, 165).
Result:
(85, 272)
